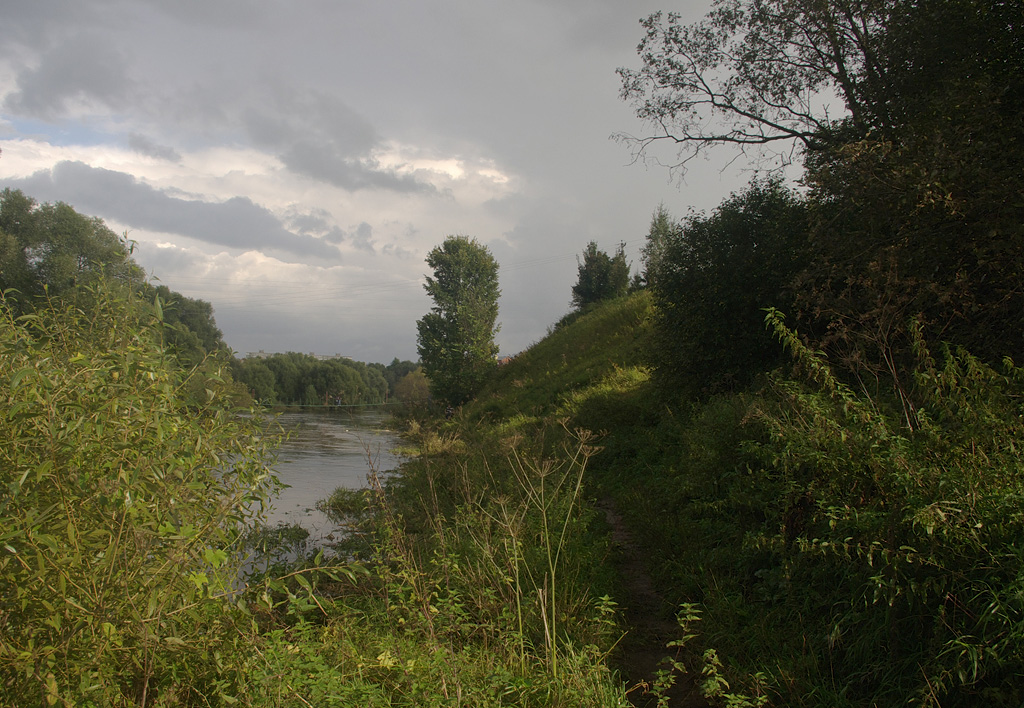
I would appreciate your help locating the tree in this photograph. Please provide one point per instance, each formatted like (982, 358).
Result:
(53, 247)
(124, 501)
(711, 282)
(909, 116)
(395, 372)
(757, 73)
(926, 221)
(601, 277)
(412, 389)
(456, 338)
(663, 231)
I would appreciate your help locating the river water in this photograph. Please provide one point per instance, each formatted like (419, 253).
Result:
(327, 449)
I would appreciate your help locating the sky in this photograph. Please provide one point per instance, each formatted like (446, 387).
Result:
(294, 162)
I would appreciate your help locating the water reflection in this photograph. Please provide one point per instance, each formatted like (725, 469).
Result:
(328, 449)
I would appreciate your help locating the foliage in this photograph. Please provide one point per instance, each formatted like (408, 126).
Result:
(303, 379)
(663, 230)
(924, 221)
(847, 555)
(754, 73)
(542, 382)
(711, 278)
(51, 251)
(601, 277)
(484, 568)
(52, 248)
(456, 338)
(916, 521)
(915, 191)
(189, 326)
(120, 510)
(396, 371)
(123, 521)
(413, 389)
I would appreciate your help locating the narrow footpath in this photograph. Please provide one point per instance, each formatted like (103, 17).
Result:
(651, 623)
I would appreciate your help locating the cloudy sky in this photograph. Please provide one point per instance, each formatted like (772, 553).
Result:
(293, 162)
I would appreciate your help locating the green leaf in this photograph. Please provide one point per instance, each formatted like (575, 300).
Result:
(215, 557)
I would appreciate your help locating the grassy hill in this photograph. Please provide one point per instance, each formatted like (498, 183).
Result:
(586, 370)
(822, 545)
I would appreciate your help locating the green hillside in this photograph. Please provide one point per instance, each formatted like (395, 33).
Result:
(587, 370)
(819, 548)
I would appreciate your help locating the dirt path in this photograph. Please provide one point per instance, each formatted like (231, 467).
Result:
(650, 620)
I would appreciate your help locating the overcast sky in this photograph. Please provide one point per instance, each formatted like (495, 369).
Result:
(294, 162)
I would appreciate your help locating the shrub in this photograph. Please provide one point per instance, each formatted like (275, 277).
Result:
(120, 510)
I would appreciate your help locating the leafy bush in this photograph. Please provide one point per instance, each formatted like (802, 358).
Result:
(120, 510)
(904, 522)
(711, 277)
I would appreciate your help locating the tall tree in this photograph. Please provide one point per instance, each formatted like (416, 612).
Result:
(456, 338)
(601, 277)
(663, 231)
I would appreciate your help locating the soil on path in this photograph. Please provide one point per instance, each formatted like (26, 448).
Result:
(651, 623)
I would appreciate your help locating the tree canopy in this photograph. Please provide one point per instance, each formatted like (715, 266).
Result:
(907, 116)
(50, 251)
(456, 338)
(303, 379)
(53, 248)
(808, 73)
(601, 277)
(711, 277)
(124, 499)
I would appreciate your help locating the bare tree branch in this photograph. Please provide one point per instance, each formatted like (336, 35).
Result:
(756, 74)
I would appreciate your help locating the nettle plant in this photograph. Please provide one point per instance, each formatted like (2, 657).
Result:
(914, 505)
(122, 501)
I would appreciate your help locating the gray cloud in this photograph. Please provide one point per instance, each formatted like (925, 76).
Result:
(323, 162)
(237, 223)
(317, 135)
(314, 221)
(84, 68)
(36, 24)
(229, 14)
(145, 146)
(363, 236)
(287, 113)
(170, 260)
(336, 235)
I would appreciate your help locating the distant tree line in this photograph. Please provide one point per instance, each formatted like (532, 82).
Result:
(303, 379)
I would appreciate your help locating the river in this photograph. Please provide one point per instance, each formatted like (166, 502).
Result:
(327, 449)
